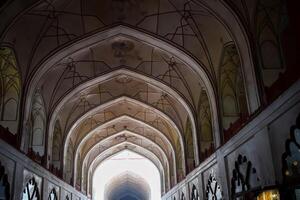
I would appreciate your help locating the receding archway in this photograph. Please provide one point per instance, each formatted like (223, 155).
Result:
(127, 185)
(120, 174)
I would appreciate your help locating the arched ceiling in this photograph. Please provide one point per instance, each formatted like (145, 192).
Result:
(162, 91)
(156, 127)
(155, 98)
(165, 153)
(121, 85)
(126, 138)
(141, 74)
(113, 121)
(189, 24)
(121, 52)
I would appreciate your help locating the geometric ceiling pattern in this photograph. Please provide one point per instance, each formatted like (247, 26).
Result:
(160, 78)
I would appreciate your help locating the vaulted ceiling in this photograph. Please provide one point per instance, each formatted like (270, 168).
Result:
(161, 78)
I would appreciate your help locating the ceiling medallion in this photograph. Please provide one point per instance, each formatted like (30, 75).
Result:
(123, 79)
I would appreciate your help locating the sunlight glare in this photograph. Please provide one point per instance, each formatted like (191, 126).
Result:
(126, 161)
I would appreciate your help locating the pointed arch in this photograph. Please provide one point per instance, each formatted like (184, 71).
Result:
(57, 142)
(206, 137)
(171, 165)
(164, 172)
(231, 86)
(38, 121)
(179, 147)
(10, 90)
(122, 30)
(104, 77)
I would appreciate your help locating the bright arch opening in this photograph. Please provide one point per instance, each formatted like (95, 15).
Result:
(121, 166)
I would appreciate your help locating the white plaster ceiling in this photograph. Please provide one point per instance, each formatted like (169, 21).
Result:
(109, 66)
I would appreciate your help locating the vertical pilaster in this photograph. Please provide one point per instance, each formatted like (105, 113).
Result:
(18, 182)
(222, 175)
